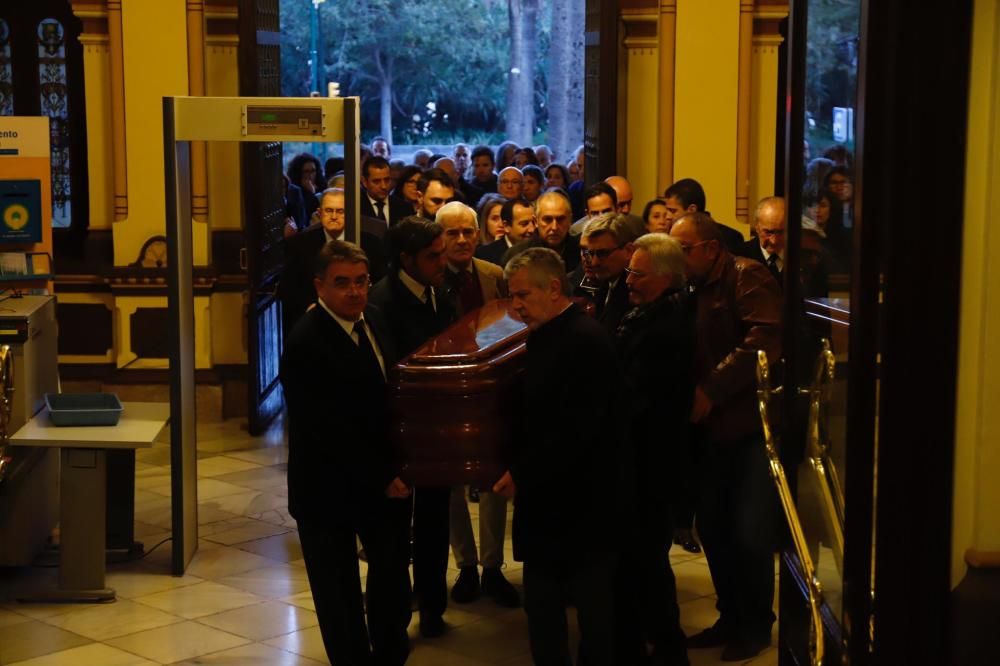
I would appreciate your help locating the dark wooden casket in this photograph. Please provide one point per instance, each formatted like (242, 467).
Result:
(452, 399)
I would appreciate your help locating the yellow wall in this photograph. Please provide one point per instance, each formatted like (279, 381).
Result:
(706, 79)
(155, 61)
(976, 521)
(641, 118)
(222, 80)
(763, 114)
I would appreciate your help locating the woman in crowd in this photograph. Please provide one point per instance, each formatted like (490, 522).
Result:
(525, 156)
(406, 189)
(654, 215)
(556, 176)
(490, 225)
(305, 171)
(505, 155)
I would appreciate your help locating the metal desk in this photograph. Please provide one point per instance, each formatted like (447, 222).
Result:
(82, 488)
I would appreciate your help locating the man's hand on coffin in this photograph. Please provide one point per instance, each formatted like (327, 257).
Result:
(397, 489)
(505, 486)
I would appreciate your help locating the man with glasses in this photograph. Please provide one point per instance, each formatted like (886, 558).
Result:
(769, 246)
(606, 247)
(738, 313)
(434, 189)
(296, 290)
(341, 484)
(655, 343)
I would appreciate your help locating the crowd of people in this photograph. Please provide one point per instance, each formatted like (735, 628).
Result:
(636, 420)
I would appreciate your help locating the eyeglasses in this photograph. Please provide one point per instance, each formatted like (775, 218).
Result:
(601, 254)
(688, 249)
(510, 182)
(637, 274)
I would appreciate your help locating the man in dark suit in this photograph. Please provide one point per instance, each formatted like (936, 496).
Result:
(375, 199)
(569, 464)
(688, 196)
(655, 342)
(417, 309)
(769, 246)
(296, 289)
(434, 189)
(484, 180)
(518, 216)
(341, 483)
(607, 246)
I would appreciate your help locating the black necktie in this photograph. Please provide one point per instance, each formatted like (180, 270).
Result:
(772, 265)
(365, 347)
(428, 301)
(381, 210)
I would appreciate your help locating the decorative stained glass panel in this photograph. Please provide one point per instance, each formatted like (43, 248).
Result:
(6, 72)
(54, 94)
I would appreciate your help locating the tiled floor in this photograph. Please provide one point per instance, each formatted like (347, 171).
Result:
(245, 599)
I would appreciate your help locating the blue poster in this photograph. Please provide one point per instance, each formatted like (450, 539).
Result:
(20, 211)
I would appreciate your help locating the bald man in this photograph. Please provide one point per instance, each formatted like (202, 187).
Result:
(769, 246)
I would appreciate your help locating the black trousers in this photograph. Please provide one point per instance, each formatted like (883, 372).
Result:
(647, 591)
(586, 581)
(738, 524)
(430, 549)
(331, 558)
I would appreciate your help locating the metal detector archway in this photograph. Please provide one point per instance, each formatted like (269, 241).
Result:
(241, 119)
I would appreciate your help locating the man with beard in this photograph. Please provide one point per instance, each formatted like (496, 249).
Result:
(434, 189)
(655, 342)
(416, 310)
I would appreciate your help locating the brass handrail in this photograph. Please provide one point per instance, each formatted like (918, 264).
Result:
(818, 451)
(6, 404)
(764, 394)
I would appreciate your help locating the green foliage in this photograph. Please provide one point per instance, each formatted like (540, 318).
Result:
(451, 53)
(831, 61)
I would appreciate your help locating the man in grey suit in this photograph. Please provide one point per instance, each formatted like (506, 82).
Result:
(474, 282)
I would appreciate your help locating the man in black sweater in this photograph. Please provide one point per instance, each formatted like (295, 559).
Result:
(655, 342)
(341, 483)
(568, 465)
(416, 310)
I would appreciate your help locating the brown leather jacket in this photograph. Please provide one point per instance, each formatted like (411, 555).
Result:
(739, 312)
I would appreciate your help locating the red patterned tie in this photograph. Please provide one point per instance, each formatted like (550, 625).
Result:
(469, 294)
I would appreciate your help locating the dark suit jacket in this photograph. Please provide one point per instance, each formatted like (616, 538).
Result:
(732, 239)
(610, 310)
(339, 455)
(490, 279)
(410, 321)
(395, 209)
(570, 250)
(569, 459)
(295, 207)
(751, 250)
(493, 252)
(656, 345)
(296, 289)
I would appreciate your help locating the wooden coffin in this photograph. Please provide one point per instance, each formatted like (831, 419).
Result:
(452, 400)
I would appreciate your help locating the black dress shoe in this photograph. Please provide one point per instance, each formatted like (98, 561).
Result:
(684, 539)
(714, 636)
(500, 589)
(743, 649)
(432, 626)
(466, 588)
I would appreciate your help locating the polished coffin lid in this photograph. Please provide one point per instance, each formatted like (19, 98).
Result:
(452, 400)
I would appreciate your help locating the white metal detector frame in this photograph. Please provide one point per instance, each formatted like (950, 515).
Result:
(187, 119)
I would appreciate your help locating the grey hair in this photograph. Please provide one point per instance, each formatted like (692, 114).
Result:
(615, 224)
(330, 191)
(766, 202)
(543, 264)
(666, 255)
(456, 210)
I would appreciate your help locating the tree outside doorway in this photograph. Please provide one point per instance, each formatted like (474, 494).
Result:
(440, 72)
